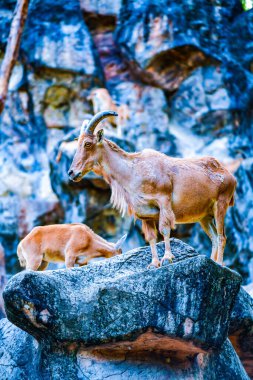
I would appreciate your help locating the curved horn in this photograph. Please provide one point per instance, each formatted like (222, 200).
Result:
(96, 120)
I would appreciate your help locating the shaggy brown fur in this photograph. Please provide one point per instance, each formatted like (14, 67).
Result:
(160, 190)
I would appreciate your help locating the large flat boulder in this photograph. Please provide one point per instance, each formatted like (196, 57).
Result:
(19, 359)
(241, 329)
(191, 300)
(116, 318)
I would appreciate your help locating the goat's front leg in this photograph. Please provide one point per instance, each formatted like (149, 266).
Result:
(150, 233)
(70, 259)
(166, 223)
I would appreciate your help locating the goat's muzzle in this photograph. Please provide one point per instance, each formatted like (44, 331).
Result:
(76, 177)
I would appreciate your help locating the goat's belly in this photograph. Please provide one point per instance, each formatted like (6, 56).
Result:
(193, 199)
(54, 256)
(146, 212)
(191, 210)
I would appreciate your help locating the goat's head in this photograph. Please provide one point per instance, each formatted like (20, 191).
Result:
(89, 147)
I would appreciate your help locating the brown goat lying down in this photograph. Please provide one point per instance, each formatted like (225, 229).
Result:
(69, 243)
(159, 189)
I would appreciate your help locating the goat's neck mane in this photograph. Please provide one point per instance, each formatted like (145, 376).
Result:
(114, 147)
(120, 197)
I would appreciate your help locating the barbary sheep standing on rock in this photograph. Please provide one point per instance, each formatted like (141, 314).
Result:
(156, 188)
(70, 243)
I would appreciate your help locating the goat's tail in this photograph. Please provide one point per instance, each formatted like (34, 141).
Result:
(232, 201)
(21, 258)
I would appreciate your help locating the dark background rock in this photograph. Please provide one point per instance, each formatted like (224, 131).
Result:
(241, 329)
(19, 354)
(116, 318)
(2, 280)
(164, 42)
(61, 362)
(183, 70)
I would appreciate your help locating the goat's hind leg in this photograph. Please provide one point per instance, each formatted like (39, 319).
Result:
(210, 229)
(150, 233)
(220, 210)
(166, 224)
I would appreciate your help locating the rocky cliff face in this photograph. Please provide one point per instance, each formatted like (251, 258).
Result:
(185, 72)
(117, 319)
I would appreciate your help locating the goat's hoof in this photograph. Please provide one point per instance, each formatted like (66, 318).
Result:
(168, 258)
(154, 264)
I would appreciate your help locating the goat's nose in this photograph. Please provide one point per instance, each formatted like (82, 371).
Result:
(73, 176)
(78, 175)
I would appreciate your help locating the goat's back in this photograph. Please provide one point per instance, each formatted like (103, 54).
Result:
(56, 236)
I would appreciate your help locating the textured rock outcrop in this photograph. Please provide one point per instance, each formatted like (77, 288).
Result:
(121, 306)
(241, 329)
(98, 363)
(2, 280)
(116, 318)
(19, 355)
(165, 41)
(184, 71)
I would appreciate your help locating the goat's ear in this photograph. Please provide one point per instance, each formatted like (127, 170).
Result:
(100, 135)
(120, 242)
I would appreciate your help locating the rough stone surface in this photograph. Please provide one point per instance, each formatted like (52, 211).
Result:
(164, 44)
(57, 362)
(19, 353)
(216, 365)
(184, 70)
(64, 37)
(2, 280)
(203, 114)
(241, 329)
(152, 301)
(241, 48)
(116, 318)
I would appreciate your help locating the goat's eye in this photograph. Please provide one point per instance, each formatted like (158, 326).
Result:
(87, 144)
